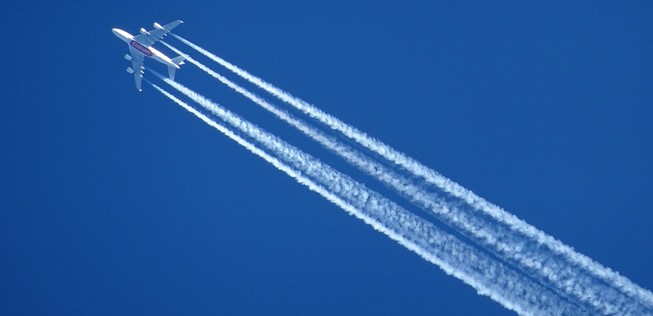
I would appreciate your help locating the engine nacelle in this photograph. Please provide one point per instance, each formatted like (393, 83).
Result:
(130, 70)
(158, 26)
(144, 31)
(128, 57)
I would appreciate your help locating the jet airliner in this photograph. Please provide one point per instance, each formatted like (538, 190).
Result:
(141, 46)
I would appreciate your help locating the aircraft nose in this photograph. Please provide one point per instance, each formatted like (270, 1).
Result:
(122, 34)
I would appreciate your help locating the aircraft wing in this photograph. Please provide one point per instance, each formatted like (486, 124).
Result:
(137, 66)
(151, 37)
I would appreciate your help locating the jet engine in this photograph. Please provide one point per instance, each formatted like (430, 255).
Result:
(128, 57)
(130, 70)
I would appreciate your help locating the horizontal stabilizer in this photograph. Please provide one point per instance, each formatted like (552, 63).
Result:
(179, 60)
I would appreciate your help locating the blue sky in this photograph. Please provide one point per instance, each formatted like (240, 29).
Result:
(119, 202)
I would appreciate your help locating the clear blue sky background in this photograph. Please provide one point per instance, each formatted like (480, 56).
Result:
(117, 202)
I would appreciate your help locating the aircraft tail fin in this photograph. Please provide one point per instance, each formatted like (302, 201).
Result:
(179, 60)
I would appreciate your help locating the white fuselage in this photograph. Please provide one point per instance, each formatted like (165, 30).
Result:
(147, 51)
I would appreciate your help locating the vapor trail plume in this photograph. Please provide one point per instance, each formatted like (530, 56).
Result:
(528, 257)
(489, 277)
(516, 226)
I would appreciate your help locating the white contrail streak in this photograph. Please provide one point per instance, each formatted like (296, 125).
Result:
(559, 250)
(529, 258)
(489, 277)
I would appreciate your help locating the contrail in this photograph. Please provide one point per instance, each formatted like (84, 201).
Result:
(536, 261)
(476, 203)
(489, 277)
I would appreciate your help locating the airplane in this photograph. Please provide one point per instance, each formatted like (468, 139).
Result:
(141, 46)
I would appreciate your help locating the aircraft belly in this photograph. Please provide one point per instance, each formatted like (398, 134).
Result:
(141, 48)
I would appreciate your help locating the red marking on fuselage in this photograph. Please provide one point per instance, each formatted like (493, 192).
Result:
(141, 48)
